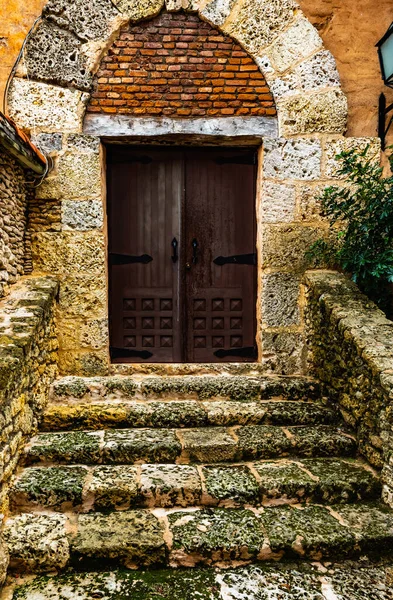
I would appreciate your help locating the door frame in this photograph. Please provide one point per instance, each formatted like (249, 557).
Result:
(194, 141)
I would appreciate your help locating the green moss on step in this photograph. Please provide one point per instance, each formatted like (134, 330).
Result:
(125, 585)
(342, 481)
(76, 447)
(310, 532)
(49, 486)
(232, 483)
(125, 386)
(262, 441)
(299, 413)
(76, 387)
(142, 445)
(114, 486)
(322, 440)
(284, 480)
(203, 387)
(216, 534)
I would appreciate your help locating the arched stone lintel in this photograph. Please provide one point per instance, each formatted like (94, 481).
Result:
(287, 48)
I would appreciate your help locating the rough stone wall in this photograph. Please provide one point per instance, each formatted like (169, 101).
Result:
(350, 31)
(28, 355)
(295, 172)
(66, 224)
(351, 351)
(13, 208)
(177, 65)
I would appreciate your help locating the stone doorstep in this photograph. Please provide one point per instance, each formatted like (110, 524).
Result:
(183, 413)
(203, 445)
(84, 489)
(43, 542)
(232, 387)
(293, 581)
(180, 369)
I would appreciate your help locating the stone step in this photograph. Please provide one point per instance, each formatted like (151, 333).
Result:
(203, 387)
(203, 445)
(293, 581)
(121, 487)
(183, 413)
(41, 542)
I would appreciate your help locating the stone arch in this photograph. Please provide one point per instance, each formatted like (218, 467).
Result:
(52, 83)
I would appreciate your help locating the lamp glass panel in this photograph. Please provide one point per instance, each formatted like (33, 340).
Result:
(387, 57)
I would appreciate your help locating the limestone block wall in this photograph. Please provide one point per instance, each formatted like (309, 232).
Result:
(350, 343)
(50, 97)
(28, 355)
(13, 212)
(293, 175)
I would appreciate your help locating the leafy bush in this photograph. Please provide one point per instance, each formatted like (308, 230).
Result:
(360, 213)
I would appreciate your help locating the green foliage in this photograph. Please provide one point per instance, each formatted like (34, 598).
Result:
(360, 213)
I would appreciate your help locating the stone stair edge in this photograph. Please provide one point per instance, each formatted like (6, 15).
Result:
(203, 444)
(197, 536)
(334, 580)
(180, 413)
(205, 386)
(86, 488)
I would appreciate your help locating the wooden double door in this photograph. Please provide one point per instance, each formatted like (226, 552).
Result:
(182, 255)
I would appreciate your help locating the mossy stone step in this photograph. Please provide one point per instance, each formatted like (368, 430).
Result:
(202, 445)
(183, 413)
(292, 581)
(233, 387)
(42, 542)
(121, 487)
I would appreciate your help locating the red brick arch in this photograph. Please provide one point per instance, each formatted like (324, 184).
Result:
(177, 65)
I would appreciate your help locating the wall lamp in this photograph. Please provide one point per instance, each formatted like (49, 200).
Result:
(385, 53)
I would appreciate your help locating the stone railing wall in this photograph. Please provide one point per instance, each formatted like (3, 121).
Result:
(13, 208)
(350, 345)
(28, 365)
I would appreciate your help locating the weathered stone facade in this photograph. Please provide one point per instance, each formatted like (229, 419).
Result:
(14, 196)
(292, 167)
(351, 352)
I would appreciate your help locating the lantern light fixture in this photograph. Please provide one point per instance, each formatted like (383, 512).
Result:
(385, 53)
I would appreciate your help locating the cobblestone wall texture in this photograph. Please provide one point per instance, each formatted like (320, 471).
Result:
(28, 356)
(177, 65)
(351, 351)
(28, 365)
(13, 208)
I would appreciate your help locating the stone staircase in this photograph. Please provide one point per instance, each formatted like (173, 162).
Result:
(193, 471)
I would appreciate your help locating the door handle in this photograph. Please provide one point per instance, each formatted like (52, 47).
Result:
(175, 245)
(195, 246)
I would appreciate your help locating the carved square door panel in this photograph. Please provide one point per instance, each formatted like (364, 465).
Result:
(182, 258)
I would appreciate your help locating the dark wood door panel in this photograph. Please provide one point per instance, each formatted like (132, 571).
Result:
(203, 198)
(220, 216)
(145, 191)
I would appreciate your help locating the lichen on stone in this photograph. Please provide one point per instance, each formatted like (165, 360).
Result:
(134, 537)
(50, 486)
(233, 483)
